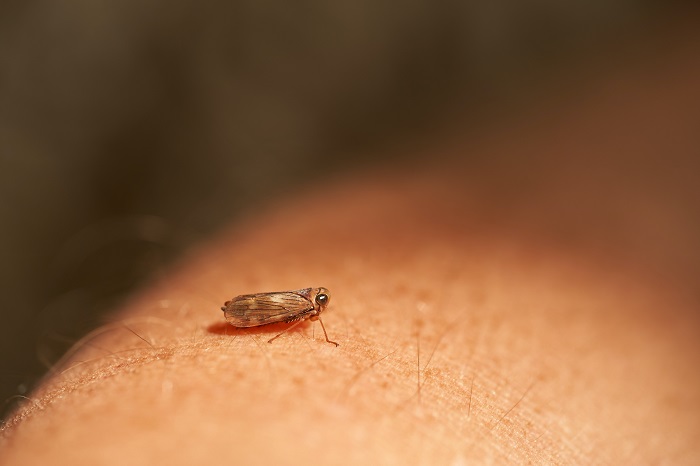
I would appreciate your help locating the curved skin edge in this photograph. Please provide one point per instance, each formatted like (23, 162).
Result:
(455, 345)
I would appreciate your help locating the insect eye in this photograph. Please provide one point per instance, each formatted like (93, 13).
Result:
(322, 299)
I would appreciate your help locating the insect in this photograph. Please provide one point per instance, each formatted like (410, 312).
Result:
(252, 310)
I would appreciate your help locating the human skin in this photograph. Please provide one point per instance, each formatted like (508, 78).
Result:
(486, 313)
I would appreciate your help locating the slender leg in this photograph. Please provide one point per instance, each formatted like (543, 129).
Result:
(324, 332)
(287, 330)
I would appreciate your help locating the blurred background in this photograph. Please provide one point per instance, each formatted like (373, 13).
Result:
(131, 130)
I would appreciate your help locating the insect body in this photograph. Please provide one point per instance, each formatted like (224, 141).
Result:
(252, 310)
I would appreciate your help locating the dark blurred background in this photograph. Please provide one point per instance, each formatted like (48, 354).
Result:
(130, 130)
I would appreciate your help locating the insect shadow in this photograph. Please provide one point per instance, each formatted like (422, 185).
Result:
(224, 328)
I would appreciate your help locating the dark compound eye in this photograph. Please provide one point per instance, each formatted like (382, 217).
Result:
(322, 299)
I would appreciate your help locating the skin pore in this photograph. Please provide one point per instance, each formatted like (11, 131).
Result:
(486, 312)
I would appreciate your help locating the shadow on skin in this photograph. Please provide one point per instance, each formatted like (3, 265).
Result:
(224, 328)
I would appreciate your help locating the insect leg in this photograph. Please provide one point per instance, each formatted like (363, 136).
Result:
(285, 330)
(324, 332)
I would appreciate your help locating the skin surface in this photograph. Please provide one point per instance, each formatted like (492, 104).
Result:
(510, 311)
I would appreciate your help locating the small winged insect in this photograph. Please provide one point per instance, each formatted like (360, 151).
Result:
(252, 310)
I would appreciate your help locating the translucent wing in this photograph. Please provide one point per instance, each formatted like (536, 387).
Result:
(252, 310)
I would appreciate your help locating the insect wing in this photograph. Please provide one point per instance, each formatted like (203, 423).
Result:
(266, 308)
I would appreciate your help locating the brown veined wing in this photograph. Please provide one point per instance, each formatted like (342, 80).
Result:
(266, 308)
